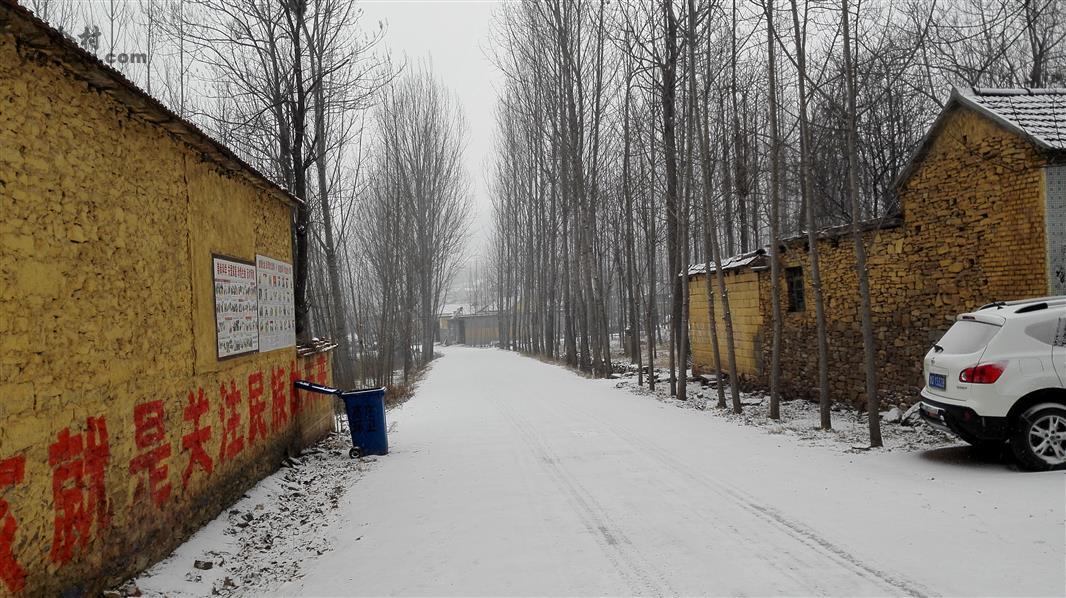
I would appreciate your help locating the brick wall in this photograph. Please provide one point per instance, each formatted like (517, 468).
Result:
(972, 233)
(122, 433)
(745, 306)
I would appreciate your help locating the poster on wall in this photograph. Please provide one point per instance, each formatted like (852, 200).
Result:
(236, 316)
(277, 312)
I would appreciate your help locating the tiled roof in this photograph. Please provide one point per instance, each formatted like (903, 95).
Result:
(1040, 114)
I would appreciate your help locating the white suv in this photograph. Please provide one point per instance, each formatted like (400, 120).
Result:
(998, 374)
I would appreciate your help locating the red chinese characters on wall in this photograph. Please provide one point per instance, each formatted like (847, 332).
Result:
(78, 464)
(280, 389)
(193, 442)
(232, 439)
(296, 396)
(320, 369)
(313, 371)
(149, 465)
(79, 459)
(12, 472)
(256, 407)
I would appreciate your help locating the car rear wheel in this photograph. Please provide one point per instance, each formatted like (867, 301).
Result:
(1039, 438)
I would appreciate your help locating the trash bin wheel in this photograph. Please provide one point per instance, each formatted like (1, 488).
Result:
(355, 452)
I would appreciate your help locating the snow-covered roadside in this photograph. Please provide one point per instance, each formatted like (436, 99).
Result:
(263, 540)
(799, 419)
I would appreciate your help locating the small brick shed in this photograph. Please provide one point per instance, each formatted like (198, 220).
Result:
(124, 427)
(982, 218)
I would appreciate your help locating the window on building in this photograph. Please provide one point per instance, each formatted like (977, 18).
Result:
(794, 278)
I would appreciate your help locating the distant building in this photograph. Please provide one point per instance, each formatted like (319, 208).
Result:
(446, 333)
(462, 327)
(983, 218)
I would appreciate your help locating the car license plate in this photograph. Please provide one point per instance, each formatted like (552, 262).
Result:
(932, 412)
(938, 381)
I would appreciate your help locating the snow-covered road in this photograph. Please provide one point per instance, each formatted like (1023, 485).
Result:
(511, 476)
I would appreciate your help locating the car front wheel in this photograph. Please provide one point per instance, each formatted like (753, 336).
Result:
(1039, 438)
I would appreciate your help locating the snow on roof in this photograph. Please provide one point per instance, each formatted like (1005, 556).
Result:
(449, 309)
(1039, 114)
(731, 263)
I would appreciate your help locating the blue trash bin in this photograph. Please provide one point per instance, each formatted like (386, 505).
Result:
(366, 420)
(365, 409)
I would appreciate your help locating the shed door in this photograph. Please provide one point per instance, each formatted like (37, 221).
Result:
(1056, 229)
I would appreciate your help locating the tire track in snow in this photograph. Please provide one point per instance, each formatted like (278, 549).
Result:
(762, 548)
(634, 568)
(797, 570)
(766, 514)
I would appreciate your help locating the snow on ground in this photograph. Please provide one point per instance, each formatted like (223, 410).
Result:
(800, 419)
(266, 537)
(509, 476)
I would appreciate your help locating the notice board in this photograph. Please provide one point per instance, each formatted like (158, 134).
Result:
(277, 312)
(236, 306)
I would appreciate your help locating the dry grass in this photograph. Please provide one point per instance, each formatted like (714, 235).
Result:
(398, 394)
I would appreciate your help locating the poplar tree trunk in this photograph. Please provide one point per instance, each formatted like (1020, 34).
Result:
(342, 362)
(873, 410)
(631, 271)
(651, 242)
(298, 113)
(821, 338)
(668, 89)
(775, 205)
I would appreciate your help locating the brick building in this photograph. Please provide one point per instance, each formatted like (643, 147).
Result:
(983, 218)
(146, 347)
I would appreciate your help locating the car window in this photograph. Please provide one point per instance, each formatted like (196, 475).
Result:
(1043, 331)
(967, 336)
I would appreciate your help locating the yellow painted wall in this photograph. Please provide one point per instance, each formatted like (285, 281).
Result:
(107, 338)
(745, 307)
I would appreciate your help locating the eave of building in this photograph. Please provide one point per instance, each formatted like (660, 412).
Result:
(757, 259)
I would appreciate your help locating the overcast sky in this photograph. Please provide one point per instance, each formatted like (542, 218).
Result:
(452, 34)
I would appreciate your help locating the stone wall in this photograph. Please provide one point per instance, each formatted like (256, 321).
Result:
(972, 232)
(122, 433)
(898, 333)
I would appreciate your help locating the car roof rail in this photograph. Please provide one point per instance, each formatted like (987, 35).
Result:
(1031, 307)
(1050, 300)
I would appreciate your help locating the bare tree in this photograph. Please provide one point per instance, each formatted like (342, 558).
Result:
(869, 348)
(775, 208)
(423, 135)
(799, 31)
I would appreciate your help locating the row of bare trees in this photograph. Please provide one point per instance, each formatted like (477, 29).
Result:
(414, 214)
(635, 139)
(302, 91)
